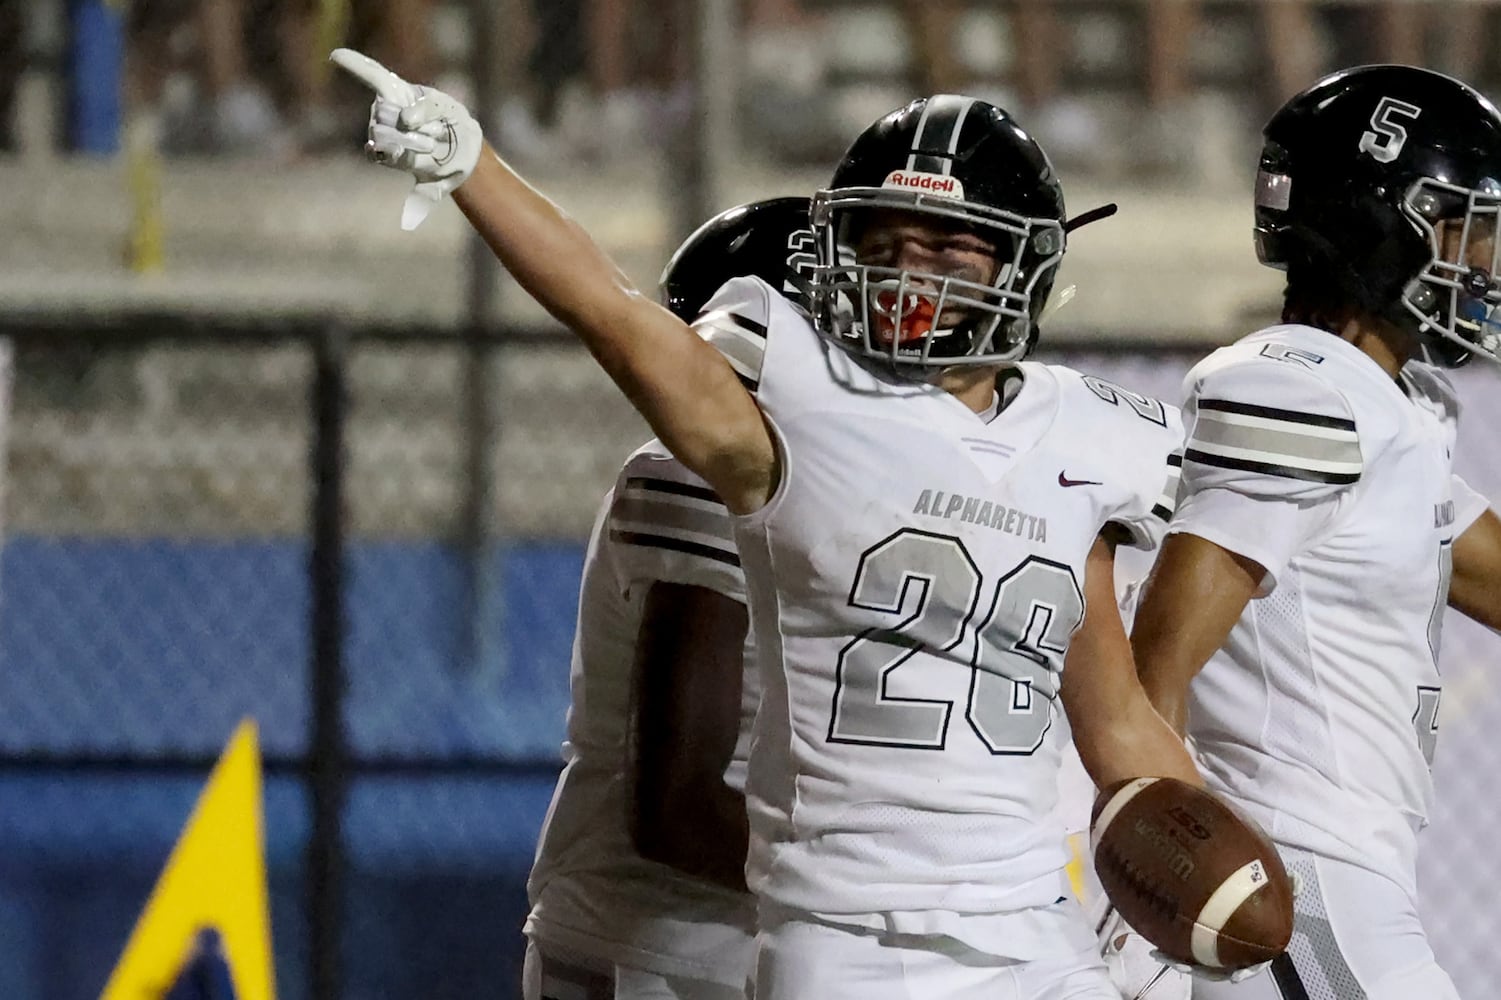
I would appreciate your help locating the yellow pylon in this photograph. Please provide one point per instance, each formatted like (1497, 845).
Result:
(215, 878)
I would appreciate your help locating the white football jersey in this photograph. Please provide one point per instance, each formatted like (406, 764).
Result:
(590, 891)
(914, 583)
(1319, 715)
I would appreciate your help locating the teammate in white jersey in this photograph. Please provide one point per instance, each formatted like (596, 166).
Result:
(659, 728)
(1291, 625)
(927, 529)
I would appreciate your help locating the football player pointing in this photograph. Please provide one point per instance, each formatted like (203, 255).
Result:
(1291, 625)
(926, 526)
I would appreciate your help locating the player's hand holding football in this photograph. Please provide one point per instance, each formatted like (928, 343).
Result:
(1136, 968)
(422, 131)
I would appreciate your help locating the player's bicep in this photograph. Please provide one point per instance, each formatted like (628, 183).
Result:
(695, 403)
(1195, 594)
(1475, 588)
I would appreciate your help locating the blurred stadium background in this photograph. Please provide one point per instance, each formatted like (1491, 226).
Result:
(267, 455)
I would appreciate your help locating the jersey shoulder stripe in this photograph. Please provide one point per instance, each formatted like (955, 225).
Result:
(668, 514)
(1270, 417)
(739, 340)
(1293, 444)
(735, 322)
(1274, 413)
(672, 544)
(740, 321)
(654, 484)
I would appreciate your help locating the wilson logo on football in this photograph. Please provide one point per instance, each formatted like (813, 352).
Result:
(916, 180)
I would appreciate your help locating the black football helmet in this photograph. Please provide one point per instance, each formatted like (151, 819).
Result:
(769, 239)
(1387, 179)
(969, 165)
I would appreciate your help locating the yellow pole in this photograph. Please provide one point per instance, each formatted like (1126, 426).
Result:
(328, 34)
(145, 250)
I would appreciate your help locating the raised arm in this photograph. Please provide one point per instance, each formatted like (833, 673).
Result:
(684, 388)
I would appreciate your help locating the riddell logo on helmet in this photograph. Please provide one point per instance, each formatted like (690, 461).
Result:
(916, 180)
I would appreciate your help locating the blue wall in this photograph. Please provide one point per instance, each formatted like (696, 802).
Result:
(160, 646)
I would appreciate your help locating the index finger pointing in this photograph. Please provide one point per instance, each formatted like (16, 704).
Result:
(375, 76)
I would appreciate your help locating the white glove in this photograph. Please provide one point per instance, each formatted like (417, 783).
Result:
(417, 129)
(1134, 967)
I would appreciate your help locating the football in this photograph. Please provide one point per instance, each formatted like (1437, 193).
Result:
(1190, 874)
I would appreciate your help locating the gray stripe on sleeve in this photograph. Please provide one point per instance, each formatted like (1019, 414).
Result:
(668, 514)
(1288, 447)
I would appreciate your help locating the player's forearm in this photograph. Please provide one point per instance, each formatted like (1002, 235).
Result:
(687, 677)
(1117, 733)
(546, 251)
(1169, 699)
(1133, 741)
(725, 838)
(682, 386)
(686, 816)
(1166, 663)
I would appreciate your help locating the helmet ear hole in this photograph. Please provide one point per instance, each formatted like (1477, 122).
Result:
(1047, 242)
(1019, 331)
(1421, 296)
(1427, 204)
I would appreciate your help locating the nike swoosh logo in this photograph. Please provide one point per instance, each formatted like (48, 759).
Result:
(1063, 480)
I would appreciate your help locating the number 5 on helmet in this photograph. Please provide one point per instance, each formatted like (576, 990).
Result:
(419, 130)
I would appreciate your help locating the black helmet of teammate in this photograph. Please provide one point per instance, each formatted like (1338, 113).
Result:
(769, 239)
(967, 165)
(1379, 188)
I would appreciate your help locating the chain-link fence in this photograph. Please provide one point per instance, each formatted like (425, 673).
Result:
(161, 583)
